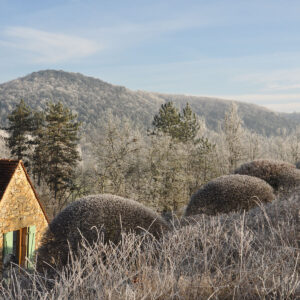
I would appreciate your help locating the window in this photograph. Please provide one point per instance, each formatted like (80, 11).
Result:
(19, 245)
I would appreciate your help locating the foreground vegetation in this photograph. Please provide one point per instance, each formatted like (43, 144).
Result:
(253, 255)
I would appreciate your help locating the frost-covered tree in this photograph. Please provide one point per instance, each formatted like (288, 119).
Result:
(116, 150)
(233, 131)
(167, 179)
(4, 151)
(158, 169)
(253, 144)
(294, 142)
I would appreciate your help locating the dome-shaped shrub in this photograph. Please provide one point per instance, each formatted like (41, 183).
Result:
(282, 176)
(229, 193)
(106, 214)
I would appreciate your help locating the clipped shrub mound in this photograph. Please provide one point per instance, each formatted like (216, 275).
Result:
(282, 176)
(229, 193)
(105, 215)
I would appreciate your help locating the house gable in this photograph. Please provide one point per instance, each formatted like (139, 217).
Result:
(20, 207)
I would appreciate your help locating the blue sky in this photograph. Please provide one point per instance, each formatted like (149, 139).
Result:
(242, 50)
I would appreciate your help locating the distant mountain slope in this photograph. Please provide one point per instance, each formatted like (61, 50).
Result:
(90, 98)
(86, 96)
(256, 118)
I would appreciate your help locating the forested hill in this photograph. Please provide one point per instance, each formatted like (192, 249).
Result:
(90, 98)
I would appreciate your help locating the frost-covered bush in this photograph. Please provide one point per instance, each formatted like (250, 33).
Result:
(93, 218)
(229, 193)
(282, 176)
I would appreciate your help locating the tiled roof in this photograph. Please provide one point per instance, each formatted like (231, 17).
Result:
(7, 169)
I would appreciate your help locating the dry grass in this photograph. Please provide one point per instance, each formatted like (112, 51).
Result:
(254, 255)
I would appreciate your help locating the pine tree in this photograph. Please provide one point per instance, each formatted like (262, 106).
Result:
(189, 125)
(167, 120)
(38, 158)
(19, 129)
(59, 145)
(181, 127)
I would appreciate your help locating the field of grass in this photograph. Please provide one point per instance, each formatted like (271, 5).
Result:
(252, 255)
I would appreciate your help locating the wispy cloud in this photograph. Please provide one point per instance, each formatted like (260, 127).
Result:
(124, 34)
(48, 47)
(159, 26)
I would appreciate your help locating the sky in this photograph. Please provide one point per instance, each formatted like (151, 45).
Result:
(232, 49)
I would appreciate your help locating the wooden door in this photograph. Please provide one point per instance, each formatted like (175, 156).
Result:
(22, 246)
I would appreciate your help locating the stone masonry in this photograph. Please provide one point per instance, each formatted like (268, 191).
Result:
(19, 208)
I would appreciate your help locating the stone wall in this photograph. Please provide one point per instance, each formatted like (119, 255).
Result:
(19, 208)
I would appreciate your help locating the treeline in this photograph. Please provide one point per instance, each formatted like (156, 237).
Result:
(161, 167)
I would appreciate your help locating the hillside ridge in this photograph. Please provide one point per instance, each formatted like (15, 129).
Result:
(91, 98)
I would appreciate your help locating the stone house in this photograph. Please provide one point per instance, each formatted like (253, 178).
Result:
(23, 220)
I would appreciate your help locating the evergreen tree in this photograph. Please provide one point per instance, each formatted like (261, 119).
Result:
(181, 127)
(19, 129)
(167, 120)
(59, 148)
(38, 158)
(189, 125)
